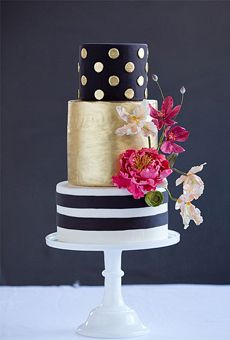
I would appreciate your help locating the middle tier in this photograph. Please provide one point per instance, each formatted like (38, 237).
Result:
(93, 146)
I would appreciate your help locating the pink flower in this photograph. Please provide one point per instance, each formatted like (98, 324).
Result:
(172, 135)
(165, 115)
(136, 122)
(188, 211)
(141, 171)
(192, 184)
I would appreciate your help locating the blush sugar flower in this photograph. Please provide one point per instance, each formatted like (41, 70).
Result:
(166, 114)
(141, 171)
(188, 211)
(172, 135)
(192, 184)
(136, 122)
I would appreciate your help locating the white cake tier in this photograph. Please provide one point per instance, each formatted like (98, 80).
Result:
(107, 215)
(112, 237)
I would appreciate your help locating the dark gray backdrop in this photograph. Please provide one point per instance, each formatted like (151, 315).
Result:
(189, 45)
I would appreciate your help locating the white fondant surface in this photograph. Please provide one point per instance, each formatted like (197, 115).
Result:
(113, 213)
(92, 236)
(68, 189)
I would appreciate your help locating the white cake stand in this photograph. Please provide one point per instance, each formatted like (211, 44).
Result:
(113, 318)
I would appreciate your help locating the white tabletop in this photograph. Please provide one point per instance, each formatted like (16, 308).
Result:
(173, 312)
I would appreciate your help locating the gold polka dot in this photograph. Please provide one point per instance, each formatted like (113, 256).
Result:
(146, 93)
(129, 93)
(141, 53)
(140, 81)
(78, 67)
(83, 80)
(84, 53)
(146, 67)
(98, 67)
(113, 53)
(129, 67)
(114, 80)
(99, 94)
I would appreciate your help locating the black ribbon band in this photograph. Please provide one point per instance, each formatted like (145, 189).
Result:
(102, 202)
(100, 224)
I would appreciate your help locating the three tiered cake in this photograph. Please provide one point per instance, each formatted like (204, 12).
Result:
(89, 207)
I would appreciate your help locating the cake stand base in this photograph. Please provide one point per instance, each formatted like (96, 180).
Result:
(106, 323)
(113, 318)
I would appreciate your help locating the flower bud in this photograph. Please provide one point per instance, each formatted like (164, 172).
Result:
(154, 198)
(183, 90)
(154, 77)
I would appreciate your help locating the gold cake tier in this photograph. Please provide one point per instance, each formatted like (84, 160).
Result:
(93, 146)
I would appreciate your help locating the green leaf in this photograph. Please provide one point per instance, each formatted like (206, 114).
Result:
(172, 159)
(154, 198)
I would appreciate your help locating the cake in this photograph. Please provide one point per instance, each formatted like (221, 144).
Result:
(90, 209)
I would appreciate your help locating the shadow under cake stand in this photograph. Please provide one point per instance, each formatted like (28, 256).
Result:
(113, 318)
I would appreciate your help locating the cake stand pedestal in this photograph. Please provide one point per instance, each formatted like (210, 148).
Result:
(113, 318)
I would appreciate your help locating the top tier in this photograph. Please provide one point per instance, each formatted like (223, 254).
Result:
(113, 72)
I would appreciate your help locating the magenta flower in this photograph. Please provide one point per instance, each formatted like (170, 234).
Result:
(141, 171)
(172, 135)
(166, 114)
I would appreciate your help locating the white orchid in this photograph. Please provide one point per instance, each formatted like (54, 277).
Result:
(137, 121)
(188, 211)
(192, 184)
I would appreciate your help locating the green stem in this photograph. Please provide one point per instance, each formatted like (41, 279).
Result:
(162, 95)
(179, 171)
(170, 195)
(161, 139)
(182, 100)
(149, 140)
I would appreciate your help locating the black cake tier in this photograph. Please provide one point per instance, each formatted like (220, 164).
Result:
(113, 72)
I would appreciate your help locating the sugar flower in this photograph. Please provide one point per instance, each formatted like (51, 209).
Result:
(182, 90)
(166, 114)
(172, 135)
(192, 184)
(137, 122)
(141, 171)
(154, 198)
(188, 211)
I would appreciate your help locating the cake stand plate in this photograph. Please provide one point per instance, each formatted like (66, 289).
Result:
(52, 241)
(113, 318)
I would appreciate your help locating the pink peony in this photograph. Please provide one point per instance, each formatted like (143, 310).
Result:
(172, 135)
(141, 171)
(166, 114)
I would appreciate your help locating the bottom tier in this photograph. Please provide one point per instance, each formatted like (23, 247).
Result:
(107, 214)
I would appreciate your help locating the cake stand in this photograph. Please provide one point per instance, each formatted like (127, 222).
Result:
(113, 318)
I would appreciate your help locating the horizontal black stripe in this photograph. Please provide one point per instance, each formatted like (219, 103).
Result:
(70, 222)
(102, 202)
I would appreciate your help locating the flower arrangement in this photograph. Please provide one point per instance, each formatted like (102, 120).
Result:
(143, 171)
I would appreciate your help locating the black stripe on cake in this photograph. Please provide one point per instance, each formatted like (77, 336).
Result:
(101, 224)
(102, 202)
